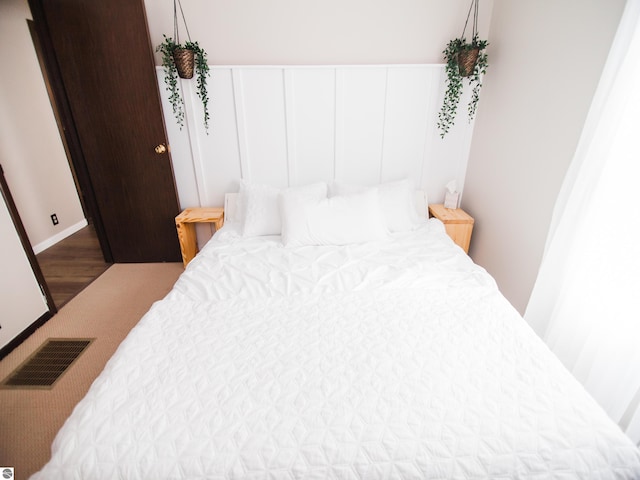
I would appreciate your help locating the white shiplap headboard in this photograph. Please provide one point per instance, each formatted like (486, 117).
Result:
(292, 125)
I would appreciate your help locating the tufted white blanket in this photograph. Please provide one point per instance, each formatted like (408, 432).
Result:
(396, 359)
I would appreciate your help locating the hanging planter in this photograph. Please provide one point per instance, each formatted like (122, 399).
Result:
(183, 61)
(463, 60)
(467, 61)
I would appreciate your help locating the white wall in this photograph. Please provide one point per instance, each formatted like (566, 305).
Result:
(301, 32)
(31, 151)
(294, 32)
(545, 61)
(20, 296)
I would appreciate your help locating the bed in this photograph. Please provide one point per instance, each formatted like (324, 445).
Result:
(295, 352)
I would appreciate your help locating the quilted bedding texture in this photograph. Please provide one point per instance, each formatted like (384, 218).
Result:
(359, 369)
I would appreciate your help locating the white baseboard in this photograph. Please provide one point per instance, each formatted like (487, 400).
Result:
(49, 242)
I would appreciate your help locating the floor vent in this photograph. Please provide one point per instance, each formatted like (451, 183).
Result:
(47, 364)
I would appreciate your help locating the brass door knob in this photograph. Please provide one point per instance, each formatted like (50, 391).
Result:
(160, 149)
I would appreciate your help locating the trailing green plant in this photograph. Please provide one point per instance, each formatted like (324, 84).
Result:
(202, 72)
(167, 49)
(476, 76)
(455, 80)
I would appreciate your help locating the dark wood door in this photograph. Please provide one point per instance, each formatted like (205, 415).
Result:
(105, 61)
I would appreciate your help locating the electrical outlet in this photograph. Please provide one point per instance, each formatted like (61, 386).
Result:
(54, 219)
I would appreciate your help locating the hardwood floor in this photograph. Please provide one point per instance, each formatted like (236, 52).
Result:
(72, 264)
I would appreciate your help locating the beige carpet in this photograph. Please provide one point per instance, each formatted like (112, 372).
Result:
(106, 310)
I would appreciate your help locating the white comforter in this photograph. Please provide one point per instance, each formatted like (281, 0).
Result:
(398, 359)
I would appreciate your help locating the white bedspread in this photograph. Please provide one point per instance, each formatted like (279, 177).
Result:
(230, 266)
(392, 360)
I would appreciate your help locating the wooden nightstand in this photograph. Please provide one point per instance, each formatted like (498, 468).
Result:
(187, 231)
(457, 223)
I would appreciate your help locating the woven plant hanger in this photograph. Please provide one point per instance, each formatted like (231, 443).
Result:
(468, 57)
(183, 58)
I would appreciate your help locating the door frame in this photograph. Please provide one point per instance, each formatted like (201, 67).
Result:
(66, 123)
(35, 267)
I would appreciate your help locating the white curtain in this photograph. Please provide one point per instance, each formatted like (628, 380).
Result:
(586, 300)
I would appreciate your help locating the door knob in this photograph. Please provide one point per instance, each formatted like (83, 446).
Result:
(160, 149)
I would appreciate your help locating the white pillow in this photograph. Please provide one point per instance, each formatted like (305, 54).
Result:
(259, 209)
(292, 202)
(396, 202)
(339, 220)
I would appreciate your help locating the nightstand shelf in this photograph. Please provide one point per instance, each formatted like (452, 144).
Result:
(457, 223)
(185, 225)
